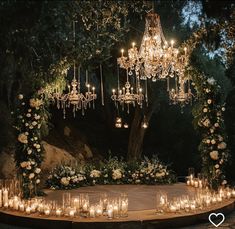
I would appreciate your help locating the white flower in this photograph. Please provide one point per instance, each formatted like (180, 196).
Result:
(37, 117)
(206, 122)
(95, 173)
(64, 181)
(117, 174)
(211, 81)
(214, 155)
(37, 181)
(213, 141)
(23, 164)
(28, 167)
(222, 145)
(23, 138)
(20, 96)
(28, 115)
(224, 182)
(35, 103)
(162, 174)
(216, 166)
(205, 110)
(29, 110)
(209, 101)
(223, 108)
(31, 175)
(34, 123)
(216, 124)
(37, 146)
(208, 141)
(207, 90)
(37, 170)
(29, 151)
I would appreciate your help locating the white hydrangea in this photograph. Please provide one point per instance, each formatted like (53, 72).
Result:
(117, 174)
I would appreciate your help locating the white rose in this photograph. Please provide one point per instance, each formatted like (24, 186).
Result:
(31, 175)
(37, 181)
(214, 155)
(209, 101)
(20, 96)
(64, 181)
(213, 141)
(222, 145)
(216, 166)
(37, 170)
(23, 138)
(23, 164)
(216, 124)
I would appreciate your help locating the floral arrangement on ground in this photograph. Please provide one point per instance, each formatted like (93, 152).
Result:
(111, 171)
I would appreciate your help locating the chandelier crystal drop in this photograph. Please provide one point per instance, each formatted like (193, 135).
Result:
(74, 98)
(156, 59)
(128, 95)
(182, 93)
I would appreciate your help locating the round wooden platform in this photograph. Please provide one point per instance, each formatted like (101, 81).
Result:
(141, 211)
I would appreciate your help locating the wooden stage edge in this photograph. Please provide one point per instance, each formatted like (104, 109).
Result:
(146, 219)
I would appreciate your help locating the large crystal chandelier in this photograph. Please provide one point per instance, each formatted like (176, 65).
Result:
(182, 93)
(156, 59)
(128, 95)
(74, 98)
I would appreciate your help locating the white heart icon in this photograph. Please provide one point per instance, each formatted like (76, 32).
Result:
(216, 216)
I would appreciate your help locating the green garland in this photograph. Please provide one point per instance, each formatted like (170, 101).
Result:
(111, 171)
(30, 120)
(208, 121)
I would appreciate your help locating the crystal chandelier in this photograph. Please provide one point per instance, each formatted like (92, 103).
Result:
(128, 95)
(74, 98)
(182, 94)
(156, 59)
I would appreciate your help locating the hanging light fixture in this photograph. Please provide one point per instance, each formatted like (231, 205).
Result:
(156, 59)
(144, 123)
(128, 95)
(118, 123)
(126, 126)
(75, 98)
(182, 93)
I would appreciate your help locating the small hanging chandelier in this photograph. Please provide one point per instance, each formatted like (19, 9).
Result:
(182, 94)
(118, 123)
(156, 59)
(144, 123)
(74, 97)
(128, 95)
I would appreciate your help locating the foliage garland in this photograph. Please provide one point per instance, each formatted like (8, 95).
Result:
(111, 171)
(30, 122)
(209, 122)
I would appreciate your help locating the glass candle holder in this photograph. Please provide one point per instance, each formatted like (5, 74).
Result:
(161, 202)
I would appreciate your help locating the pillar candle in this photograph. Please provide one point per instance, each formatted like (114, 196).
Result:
(0, 198)
(28, 210)
(92, 212)
(5, 196)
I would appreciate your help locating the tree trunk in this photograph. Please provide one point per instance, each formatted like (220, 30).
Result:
(137, 134)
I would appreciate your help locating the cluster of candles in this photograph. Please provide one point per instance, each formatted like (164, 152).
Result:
(70, 207)
(203, 198)
(196, 182)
